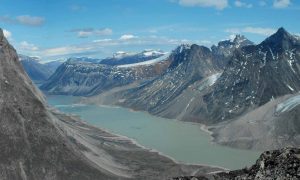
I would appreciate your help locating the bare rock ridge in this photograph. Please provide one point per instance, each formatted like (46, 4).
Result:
(37, 142)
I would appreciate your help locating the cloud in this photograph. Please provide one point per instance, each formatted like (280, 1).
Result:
(23, 20)
(259, 30)
(25, 46)
(127, 37)
(65, 50)
(252, 30)
(30, 20)
(262, 3)
(87, 32)
(279, 4)
(77, 8)
(218, 4)
(7, 33)
(102, 40)
(239, 3)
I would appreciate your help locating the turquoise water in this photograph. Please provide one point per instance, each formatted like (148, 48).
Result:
(184, 142)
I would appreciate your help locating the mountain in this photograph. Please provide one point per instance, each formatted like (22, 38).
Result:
(190, 63)
(122, 58)
(53, 65)
(37, 72)
(193, 70)
(38, 142)
(84, 59)
(223, 51)
(243, 96)
(86, 78)
(255, 75)
(242, 93)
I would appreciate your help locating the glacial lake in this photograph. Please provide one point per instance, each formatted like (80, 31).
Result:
(184, 142)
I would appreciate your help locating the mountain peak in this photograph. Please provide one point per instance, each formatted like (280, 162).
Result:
(281, 30)
(280, 35)
(239, 37)
(281, 39)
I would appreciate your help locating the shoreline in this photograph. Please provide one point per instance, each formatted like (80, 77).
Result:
(202, 127)
(134, 141)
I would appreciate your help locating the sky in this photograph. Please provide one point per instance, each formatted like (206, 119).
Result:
(58, 29)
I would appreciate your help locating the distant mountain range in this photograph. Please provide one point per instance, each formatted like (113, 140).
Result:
(83, 76)
(232, 85)
(38, 71)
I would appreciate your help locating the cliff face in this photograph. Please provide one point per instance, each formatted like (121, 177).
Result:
(31, 145)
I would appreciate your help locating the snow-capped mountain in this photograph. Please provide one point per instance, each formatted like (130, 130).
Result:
(123, 58)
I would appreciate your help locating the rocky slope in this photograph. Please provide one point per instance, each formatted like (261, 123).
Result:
(277, 164)
(254, 76)
(39, 143)
(271, 126)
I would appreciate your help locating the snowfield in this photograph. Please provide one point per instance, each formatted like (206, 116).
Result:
(164, 57)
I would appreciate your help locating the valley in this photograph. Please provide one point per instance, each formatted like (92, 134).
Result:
(150, 90)
(234, 88)
(184, 142)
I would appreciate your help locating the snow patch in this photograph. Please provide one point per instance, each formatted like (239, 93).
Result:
(290, 87)
(149, 62)
(209, 81)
